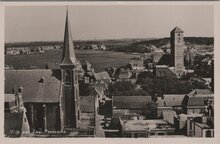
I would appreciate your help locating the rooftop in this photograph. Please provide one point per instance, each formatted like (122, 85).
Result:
(177, 30)
(144, 125)
(34, 89)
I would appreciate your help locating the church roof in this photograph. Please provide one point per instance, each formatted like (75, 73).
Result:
(69, 57)
(177, 30)
(166, 59)
(39, 86)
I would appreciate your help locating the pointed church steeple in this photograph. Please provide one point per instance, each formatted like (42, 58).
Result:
(68, 57)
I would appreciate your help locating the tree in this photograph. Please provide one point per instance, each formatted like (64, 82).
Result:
(85, 89)
(150, 110)
(144, 75)
(125, 88)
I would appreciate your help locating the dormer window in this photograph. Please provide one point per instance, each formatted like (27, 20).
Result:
(68, 77)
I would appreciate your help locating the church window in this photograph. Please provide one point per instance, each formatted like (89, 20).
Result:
(68, 77)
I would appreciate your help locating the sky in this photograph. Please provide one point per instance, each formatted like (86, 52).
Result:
(89, 22)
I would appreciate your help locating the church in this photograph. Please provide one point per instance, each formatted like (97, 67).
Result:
(172, 65)
(51, 96)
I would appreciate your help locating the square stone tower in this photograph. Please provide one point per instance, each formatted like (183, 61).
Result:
(177, 50)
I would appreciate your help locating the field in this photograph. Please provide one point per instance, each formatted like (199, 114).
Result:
(99, 59)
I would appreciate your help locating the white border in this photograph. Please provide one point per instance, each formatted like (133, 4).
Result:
(216, 5)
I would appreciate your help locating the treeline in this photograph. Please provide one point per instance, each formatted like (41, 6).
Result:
(146, 46)
(32, 44)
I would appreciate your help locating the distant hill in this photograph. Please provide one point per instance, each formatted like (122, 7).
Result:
(140, 45)
(108, 42)
(146, 46)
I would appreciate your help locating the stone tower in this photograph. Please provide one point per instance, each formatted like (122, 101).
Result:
(70, 112)
(177, 51)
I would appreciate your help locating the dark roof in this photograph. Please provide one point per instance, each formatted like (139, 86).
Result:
(13, 122)
(177, 30)
(166, 59)
(130, 102)
(69, 57)
(34, 90)
(87, 104)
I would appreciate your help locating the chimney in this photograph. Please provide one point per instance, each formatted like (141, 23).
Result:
(20, 89)
(18, 96)
(42, 80)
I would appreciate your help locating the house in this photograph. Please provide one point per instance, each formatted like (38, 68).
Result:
(93, 47)
(135, 128)
(164, 71)
(137, 63)
(124, 75)
(197, 101)
(87, 67)
(157, 54)
(89, 77)
(89, 110)
(122, 105)
(102, 77)
(169, 102)
(199, 127)
(103, 47)
(180, 122)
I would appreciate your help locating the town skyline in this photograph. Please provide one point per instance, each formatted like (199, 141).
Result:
(37, 23)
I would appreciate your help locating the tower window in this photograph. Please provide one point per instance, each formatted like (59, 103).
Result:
(68, 77)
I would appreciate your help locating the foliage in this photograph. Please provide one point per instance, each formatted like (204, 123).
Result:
(125, 88)
(150, 110)
(164, 85)
(144, 75)
(85, 89)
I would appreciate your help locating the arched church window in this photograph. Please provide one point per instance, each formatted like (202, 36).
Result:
(68, 77)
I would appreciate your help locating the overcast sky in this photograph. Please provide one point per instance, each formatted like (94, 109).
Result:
(46, 23)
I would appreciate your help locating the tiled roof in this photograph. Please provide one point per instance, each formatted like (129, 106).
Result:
(125, 74)
(204, 92)
(87, 104)
(136, 61)
(197, 97)
(34, 90)
(130, 102)
(102, 76)
(166, 59)
(177, 30)
(170, 100)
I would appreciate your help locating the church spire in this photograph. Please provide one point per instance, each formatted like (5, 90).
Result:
(68, 57)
